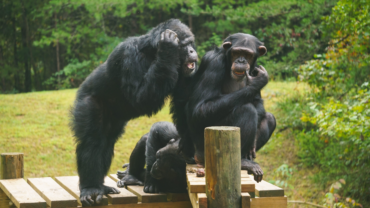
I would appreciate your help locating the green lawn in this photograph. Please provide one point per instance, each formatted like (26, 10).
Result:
(36, 124)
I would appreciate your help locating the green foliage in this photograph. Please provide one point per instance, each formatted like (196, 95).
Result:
(339, 109)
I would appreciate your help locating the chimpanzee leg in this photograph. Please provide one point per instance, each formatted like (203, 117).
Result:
(160, 134)
(135, 172)
(246, 117)
(266, 129)
(96, 135)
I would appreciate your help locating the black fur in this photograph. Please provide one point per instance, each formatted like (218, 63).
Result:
(165, 168)
(135, 80)
(209, 106)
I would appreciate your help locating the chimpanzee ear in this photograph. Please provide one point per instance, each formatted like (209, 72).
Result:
(262, 50)
(226, 45)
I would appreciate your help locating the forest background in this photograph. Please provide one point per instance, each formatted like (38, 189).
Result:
(55, 44)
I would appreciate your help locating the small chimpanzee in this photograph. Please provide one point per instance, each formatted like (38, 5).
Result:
(165, 168)
(135, 80)
(227, 95)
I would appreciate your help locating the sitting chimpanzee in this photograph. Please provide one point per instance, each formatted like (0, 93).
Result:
(165, 168)
(226, 94)
(135, 80)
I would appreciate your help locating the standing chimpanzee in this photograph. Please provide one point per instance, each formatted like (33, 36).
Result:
(165, 168)
(136, 78)
(227, 95)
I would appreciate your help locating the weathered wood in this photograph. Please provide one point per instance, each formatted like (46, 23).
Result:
(198, 200)
(160, 197)
(11, 166)
(21, 194)
(246, 200)
(70, 184)
(150, 198)
(182, 204)
(54, 195)
(198, 185)
(265, 189)
(5, 202)
(125, 197)
(223, 165)
(276, 202)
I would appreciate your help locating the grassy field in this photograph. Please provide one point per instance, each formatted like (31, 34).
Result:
(36, 124)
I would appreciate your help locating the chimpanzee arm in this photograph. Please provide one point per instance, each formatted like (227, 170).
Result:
(209, 104)
(146, 83)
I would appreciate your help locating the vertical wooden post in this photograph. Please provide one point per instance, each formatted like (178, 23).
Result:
(11, 166)
(223, 165)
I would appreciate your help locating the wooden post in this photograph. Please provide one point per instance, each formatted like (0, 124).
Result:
(11, 167)
(223, 164)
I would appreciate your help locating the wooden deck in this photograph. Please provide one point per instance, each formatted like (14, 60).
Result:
(63, 191)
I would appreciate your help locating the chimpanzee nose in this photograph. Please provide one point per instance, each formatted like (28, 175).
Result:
(241, 61)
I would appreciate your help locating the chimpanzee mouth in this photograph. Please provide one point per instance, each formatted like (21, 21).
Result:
(239, 73)
(191, 65)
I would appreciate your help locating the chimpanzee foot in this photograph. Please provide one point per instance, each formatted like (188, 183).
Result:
(252, 168)
(122, 174)
(129, 180)
(151, 185)
(94, 195)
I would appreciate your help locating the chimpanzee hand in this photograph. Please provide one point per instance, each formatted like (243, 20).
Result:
(121, 174)
(261, 79)
(253, 168)
(168, 39)
(151, 185)
(91, 196)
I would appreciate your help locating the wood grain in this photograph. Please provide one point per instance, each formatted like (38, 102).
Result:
(223, 165)
(21, 194)
(11, 166)
(54, 195)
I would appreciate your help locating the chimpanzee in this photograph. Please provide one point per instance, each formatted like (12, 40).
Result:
(165, 168)
(135, 80)
(227, 93)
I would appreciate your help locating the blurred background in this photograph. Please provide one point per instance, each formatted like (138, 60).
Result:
(318, 63)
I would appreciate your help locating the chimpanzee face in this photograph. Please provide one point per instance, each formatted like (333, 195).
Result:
(169, 163)
(243, 51)
(188, 59)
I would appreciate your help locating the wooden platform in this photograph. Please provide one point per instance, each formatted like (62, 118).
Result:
(64, 192)
(254, 195)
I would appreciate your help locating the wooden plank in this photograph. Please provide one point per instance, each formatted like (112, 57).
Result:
(70, 184)
(21, 194)
(147, 197)
(54, 195)
(246, 200)
(114, 177)
(276, 202)
(200, 186)
(125, 197)
(198, 200)
(182, 204)
(265, 189)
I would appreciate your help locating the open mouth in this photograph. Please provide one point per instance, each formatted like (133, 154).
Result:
(239, 73)
(191, 65)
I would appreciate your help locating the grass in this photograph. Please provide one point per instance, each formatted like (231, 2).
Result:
(36, 124)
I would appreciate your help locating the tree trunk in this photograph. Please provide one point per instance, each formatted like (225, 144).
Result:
(17, 84)
(27, 70)
(57, 50)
